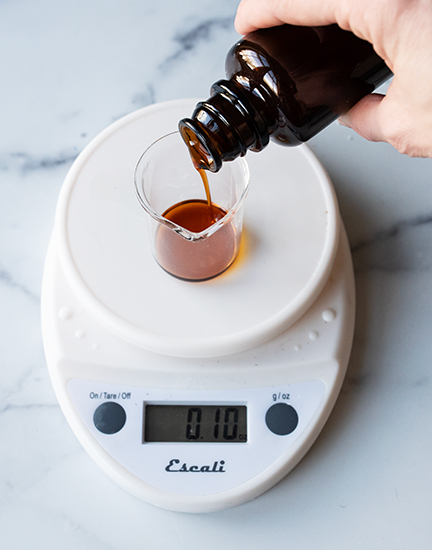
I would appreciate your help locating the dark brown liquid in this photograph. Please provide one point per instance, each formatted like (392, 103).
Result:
(205, 181)
(198, 154)
(196, 260)
(194, 215)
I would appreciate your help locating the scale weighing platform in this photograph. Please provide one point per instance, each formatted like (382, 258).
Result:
(196, 396)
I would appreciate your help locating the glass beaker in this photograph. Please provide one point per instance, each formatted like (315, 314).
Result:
(191, 238)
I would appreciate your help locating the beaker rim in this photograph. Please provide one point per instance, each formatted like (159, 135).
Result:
(183, 232)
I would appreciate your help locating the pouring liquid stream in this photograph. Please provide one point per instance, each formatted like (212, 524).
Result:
(195, 214)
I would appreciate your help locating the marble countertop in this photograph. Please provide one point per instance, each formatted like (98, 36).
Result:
(69, 69)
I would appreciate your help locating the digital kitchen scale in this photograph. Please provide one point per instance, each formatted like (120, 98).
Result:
(196, 396)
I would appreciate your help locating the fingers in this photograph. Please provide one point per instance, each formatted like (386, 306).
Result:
(253, 15)
(365, 118)
(378, 118)
(258, 14)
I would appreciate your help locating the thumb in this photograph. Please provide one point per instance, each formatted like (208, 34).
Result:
(364, 118)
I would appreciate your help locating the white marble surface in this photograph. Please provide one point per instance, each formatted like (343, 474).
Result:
(69, 69)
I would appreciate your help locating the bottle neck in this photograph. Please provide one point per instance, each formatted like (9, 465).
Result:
(224, 127)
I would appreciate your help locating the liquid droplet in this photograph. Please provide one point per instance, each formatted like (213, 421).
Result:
(297, 348)
(65, 313)
(329, 315)
(95, 346)
(313, 335)
(80, 333)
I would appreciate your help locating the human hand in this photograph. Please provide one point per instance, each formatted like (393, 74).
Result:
(400, 32)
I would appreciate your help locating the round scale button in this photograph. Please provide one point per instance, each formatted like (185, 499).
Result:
(109, 418)
(281, 419)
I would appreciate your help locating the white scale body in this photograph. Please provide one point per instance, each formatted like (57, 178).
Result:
(272, 334)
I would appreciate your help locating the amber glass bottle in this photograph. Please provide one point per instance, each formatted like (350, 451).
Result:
(285, 83)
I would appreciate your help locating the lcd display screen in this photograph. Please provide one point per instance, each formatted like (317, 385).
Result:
(195, 423)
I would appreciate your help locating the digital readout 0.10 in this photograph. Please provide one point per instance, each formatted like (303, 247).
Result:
(195, 424)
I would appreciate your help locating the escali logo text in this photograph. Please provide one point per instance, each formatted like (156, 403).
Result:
(217, 468)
